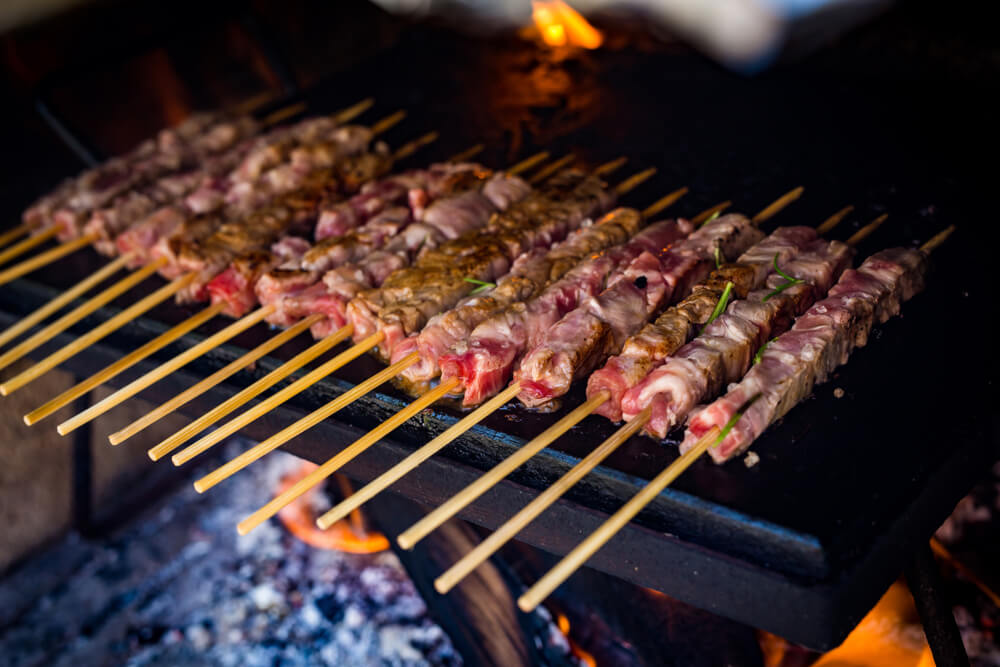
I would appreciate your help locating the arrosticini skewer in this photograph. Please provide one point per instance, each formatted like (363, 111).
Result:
(180, 283)
(734, 231)
(523, 212)
(64, 211)
(666, 229)
(322, 346)
(833, 256)
(151, 230)
(161, 341)
(878, 298)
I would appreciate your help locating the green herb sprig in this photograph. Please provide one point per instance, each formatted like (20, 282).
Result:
(721, 305)
(732, 421)
(718, 257)
(760, 352)
(711, 218)
(483, 285)
(789, 281)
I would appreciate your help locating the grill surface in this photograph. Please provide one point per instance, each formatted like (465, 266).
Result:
(803, 543)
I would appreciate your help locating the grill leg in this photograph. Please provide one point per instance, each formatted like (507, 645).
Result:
(935, 611)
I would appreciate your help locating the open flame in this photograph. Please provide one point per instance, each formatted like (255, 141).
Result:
(890, 634)
(559, 24)
(348, 535)
(563, 624)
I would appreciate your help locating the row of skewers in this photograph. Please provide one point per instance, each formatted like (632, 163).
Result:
(481, 285)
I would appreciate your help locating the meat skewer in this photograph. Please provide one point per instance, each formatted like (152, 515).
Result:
(875, 290)
(693, 262)
(251, 356)
(256, 261)
(664, 230)
(228, 239)
(135, 255)
(561, 185)
(827, 262)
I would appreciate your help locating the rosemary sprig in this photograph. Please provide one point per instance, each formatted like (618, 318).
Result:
(711, 218)
(718, 257)
(483, 285)
(789, 281)
(721, 306)
(760, 352)
(732, 421)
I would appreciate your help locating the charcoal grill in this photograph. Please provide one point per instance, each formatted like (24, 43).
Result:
(848, 488)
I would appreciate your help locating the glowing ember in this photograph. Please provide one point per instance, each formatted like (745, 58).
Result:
(347, 535)
(563, 623)
(559, 25)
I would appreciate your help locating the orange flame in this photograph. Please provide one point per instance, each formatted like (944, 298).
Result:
(890, 634)
(346, 535)
(559, 25)
(563, 623)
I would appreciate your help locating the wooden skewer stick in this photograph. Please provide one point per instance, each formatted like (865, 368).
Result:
(467, 153)
(64, 299)
(532, 510)
(778, 204)
(382, 126)
(937, 239)
(331, 466)
(125, 362)
(411, 462)
(663, 202)
(578, 556)
(276, 117)
(95, 334)
(44, 258)
(78, 313)
(13, 234)
(27, 244)
(634, 181)
(702, 217)
(275, 441)
(550, 169)
(528, 162)
(268, 404)
(165, 369)
(609, 167)
(834, 220)
(355, 110)
(866, 231)
(411, 147)
(212, 380)
(168, 445)
(254, 102)
(460, 500)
